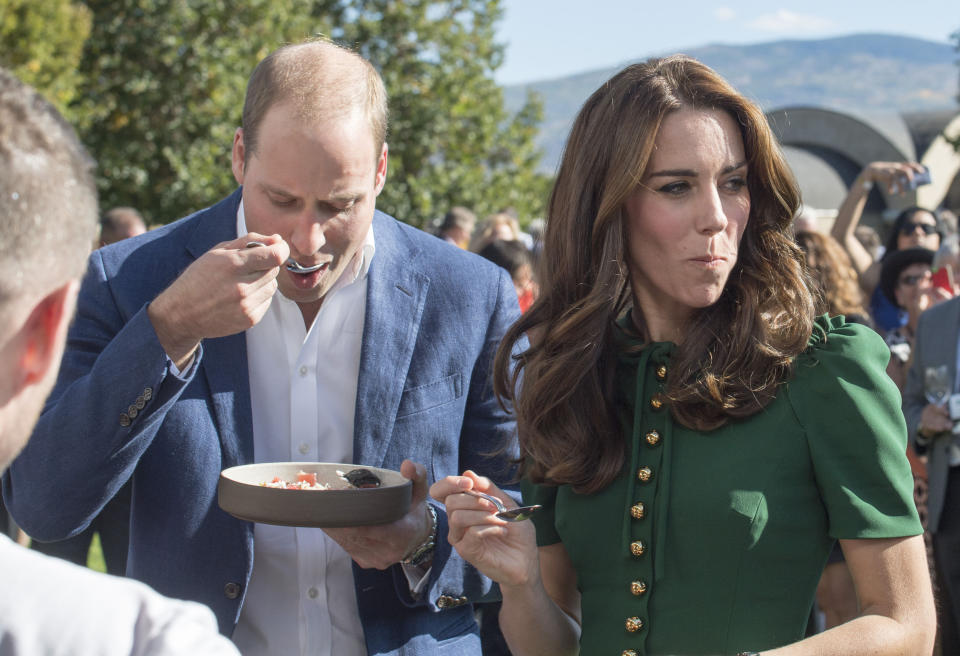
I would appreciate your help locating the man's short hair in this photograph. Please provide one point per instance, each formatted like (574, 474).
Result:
(459, 217)
(119, 223)
(323, 80)
(48, 199)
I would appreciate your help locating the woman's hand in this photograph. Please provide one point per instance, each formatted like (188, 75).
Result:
(504, 551)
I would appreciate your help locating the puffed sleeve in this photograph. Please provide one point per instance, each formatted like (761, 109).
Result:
(850, 410)
(545, 519)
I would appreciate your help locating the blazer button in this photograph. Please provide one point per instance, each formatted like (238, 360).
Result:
(662, 372)
(140, 403)
(644, 474)
(638, 510)
(445, 601)
(124, 419)
(231, 590)
(634, 624)
(653, 438)
(132, 411)
(147, 393)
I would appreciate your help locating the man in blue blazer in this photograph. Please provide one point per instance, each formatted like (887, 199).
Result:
(177, 367)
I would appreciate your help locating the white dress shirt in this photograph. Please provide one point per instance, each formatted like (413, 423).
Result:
(303, 387)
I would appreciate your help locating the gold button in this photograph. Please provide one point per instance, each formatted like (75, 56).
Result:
(638, 548)
(655, 402)
(662, 372)
(644, 474)
(637, 510)
(628, 652)
(653, 438)
(637, 588)
(445, 601)
(634, 624)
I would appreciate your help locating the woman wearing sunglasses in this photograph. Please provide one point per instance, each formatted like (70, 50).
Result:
(913, 227)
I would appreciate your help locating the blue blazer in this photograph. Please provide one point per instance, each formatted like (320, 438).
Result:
(434, 318)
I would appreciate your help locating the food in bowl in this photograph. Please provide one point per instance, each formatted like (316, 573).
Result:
(358, 478)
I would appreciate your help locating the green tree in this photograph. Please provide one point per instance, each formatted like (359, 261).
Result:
(162, 92)
(42, 42)
(452, 142)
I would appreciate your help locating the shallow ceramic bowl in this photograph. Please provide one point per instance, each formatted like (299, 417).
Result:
(241, 494)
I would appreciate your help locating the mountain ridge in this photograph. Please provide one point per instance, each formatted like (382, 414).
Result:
(855, 73)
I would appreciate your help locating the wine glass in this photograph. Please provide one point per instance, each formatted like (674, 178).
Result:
(936, 384)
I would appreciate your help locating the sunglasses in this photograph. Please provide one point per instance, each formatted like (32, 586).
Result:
(912, 280)
(909, 228)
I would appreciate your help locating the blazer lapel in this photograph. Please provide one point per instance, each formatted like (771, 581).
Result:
(224, 363)
(396, 294)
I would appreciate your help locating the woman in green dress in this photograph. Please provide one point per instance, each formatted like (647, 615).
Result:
(697, 438)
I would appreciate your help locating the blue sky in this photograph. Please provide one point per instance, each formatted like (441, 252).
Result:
(554, 38)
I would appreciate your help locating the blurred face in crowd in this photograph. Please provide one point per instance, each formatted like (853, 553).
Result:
(686, 218)
(912, 283)
(920, 229)
(315, 183)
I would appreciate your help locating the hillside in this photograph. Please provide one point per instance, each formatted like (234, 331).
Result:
(865, 72)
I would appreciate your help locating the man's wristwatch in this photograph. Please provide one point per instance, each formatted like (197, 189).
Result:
(424, 552)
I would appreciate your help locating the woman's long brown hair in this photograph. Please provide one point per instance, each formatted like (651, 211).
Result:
(735, 353)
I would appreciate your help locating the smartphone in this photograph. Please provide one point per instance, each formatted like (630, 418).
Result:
(943, 278)
(919, 179)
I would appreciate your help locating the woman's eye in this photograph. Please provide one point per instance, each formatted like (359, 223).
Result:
(736, 184)
(674, 188)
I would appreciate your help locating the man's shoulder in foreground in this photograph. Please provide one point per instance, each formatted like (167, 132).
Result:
(50, 606)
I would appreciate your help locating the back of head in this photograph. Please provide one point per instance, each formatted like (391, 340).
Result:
(120, 223)
(833, 273)
(509, 255)
(48, 200)
(459, 217)
(322, 81)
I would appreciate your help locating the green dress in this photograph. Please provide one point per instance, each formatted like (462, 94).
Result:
(713, 542)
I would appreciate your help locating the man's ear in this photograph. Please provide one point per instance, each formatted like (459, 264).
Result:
(44, 333)
(381, 177)
(237, 156)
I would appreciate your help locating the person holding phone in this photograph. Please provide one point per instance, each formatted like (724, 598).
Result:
(696, 438)
(914, 226)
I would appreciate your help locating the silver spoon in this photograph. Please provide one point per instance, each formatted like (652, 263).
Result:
(292, 264)
(507, 515)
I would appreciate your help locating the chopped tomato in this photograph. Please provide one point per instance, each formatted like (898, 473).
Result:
(304, 477)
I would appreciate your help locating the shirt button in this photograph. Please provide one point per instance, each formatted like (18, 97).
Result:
(303, 370)
(312, 593)
(303, 448)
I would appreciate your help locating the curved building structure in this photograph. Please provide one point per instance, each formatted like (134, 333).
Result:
(828, 148)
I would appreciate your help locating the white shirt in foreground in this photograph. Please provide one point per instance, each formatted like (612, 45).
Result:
(51, 607)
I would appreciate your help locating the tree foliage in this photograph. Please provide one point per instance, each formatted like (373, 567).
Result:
(162, 93)
(157, 92)
(451, 140)
(42, 42)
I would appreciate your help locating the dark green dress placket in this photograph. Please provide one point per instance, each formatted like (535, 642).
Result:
(647, 489)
